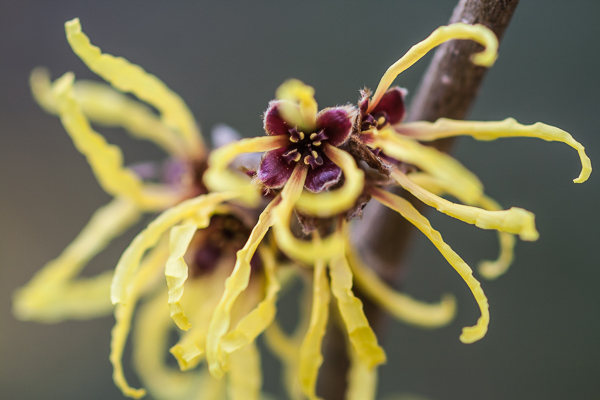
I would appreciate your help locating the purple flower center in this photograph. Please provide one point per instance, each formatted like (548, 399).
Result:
(306, 147)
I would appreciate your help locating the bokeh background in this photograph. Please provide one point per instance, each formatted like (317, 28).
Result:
(226, 60)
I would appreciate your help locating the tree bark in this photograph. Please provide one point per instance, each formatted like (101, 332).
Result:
(447, 89)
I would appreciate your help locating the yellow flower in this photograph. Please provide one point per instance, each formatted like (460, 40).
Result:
(322, 166)
(368, 158)
(197, 234)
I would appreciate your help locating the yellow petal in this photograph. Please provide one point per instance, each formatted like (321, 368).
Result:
(477, 33)
(234, 286)
(287, 348)
(492, 269)
(402, 306)
(219, 178)
(431, 160)
(245, 378)
(104, 105)
(151, 266)
(106, 160)
(402, 206)
(131, 78)
(151, 337)
(515, 220)
(254, 323)
(497, 129)
(202, 206)
(488, 269)
(176, 271)
(207, 291)
(362, 380)
(361, 335)
(302, 250)
(302, 108)
(310, 351)
(336, 201)
(53, 294)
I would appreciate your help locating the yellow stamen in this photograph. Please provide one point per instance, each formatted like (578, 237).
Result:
(431, 160)
(301, 135)
(497, 129)
(310, 351)
(297, 157)
(53, 295)
(477, 33)
(396, 203)
(402, 306)
(307, 160)
(334, 202)
(128, 264)
(313, 136)
(131, 78)
(316, 143)
(299, 108)
(515, 220)
(219, 178)
(315, 154)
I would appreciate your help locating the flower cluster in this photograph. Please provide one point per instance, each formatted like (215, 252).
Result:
(226, 242)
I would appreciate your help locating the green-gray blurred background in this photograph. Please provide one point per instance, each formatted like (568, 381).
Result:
(226, 59)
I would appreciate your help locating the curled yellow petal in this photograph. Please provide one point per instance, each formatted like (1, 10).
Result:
(53, 295)
(310, 351)
(131, 78)
(234, 286)
(431, 160)
(469, 334)
(477, 33)
(444, 127)
(245, 378)
(104, 105)
(255, 322)
(491, 269)
(402, 306)
(219, 178)
(302, 108)
(302, 250)
(176, 271)
(339, 200)
(190, 350)
(361, 335)
(488, 269)
(106, 160)
(151, 336)
(201, 206)
(151, 266)
(515, 220)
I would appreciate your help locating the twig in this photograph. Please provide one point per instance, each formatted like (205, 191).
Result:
(448, 89)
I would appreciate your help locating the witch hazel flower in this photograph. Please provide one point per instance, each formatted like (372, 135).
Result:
(191, 245)
(379, 153)
(309, 135)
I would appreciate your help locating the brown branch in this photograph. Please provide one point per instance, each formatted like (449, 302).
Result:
(448, 89)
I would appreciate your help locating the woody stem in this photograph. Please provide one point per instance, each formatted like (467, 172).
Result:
(448, 90)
